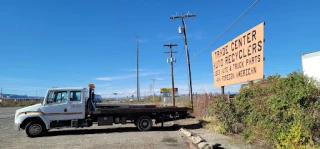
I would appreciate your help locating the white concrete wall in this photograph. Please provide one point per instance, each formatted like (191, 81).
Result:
(311, 64)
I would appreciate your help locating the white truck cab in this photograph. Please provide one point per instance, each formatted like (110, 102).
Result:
(60, 105)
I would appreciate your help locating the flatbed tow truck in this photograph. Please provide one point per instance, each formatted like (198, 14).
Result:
(70, 107)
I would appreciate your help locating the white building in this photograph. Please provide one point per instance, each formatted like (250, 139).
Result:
(310, 62)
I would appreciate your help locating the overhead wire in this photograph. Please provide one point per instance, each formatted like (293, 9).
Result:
(179, 58)
(175, 70)
(233, 23)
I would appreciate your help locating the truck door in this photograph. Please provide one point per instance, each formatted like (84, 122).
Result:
(56, 105)
(76, 107)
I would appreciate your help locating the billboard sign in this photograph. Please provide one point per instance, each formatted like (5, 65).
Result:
(241, 59)
(168, 90)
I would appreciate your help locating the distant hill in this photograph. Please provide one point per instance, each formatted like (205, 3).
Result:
(20, 96)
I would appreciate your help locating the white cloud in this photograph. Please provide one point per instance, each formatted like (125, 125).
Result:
(11, 80)
(159, 79)
(149, 73)
(25, 89)
(102, 85)
(122, 93)
(120, 77)
(143, 41)
(114, 78)
(134, 70)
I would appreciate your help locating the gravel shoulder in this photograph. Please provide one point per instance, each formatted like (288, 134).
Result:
(216, 140)
(6, 112)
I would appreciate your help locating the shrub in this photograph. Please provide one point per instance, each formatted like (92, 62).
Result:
(284, 110)
(223, 109)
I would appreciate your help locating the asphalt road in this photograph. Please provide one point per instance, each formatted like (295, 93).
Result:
(116, 136)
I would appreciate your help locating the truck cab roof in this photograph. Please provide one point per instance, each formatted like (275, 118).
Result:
(67, 88)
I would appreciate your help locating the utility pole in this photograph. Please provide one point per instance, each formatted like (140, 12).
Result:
(115, 96)
(171, 62)
(1, 93)
(150, 89)
(138, 87)
(222, 90)
(153, 87)
(183, 30)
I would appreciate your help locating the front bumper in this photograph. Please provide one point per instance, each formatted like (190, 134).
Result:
(16, 127)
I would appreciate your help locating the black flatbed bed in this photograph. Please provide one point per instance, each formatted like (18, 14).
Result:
(140, 114)
(124, 105)
(119, 108)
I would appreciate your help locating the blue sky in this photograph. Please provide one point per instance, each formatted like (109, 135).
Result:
(73, 43)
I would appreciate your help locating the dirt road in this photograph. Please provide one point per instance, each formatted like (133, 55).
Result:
(116, 136)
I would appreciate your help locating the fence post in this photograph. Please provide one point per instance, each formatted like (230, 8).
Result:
(207, 105)
(229, 97)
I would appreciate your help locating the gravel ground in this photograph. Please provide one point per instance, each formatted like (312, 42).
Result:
(217, 140)
(116, 136)
(7, 112)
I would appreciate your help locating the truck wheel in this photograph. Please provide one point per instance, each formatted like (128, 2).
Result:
(35, 129)
(144, 123)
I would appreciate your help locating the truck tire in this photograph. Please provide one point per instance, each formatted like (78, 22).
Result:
(144, 123)
(35, 129)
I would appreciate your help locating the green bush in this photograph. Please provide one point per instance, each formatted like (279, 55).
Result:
(284, 110)
(223, 110)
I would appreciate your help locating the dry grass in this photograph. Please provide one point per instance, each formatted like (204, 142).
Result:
(213, 124)
(18, 103)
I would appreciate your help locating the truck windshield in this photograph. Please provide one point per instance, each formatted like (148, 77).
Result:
(56, 97)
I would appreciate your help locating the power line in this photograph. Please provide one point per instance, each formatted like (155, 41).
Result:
(233, 23)
(179, 58)
(177, 64)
